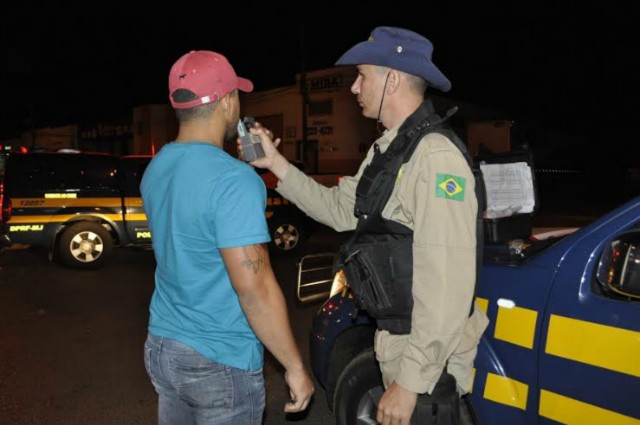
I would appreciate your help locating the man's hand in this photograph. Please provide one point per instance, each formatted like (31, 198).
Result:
(396, 406)
(263, 303)
(301, 389)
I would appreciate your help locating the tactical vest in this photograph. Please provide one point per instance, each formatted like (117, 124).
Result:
(378, 258)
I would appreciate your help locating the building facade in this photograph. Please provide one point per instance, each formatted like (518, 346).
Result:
(318, 120)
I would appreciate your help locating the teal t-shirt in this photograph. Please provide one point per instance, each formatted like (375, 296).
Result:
(198, 199)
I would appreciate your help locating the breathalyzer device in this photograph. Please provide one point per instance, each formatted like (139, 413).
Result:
(251, 146)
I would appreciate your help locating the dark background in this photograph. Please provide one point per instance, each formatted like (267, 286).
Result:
(561, 66)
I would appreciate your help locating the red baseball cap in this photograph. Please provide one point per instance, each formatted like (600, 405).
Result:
(207, 74)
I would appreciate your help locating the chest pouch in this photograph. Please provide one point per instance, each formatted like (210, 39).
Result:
(376, 183)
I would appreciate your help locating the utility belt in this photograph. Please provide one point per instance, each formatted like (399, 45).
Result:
(379, 269)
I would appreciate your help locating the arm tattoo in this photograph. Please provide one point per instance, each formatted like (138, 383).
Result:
(254, 258)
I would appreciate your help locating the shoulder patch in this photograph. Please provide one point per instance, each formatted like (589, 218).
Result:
(449, 186)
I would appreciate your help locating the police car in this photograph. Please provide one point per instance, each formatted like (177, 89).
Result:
(80, 206)
(77, 205)
(563, 345)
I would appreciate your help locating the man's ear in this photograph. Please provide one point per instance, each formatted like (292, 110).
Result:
(394, 81)
(226, 104)
(229, 104)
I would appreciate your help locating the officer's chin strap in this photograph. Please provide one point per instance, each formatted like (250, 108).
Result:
(384, 90)
(451, 111)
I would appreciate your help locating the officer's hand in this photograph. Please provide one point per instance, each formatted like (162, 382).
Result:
(301, 389)
(273, 159)
(269, 146)
(396, 406)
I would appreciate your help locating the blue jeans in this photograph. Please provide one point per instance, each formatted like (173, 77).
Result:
(193, 390)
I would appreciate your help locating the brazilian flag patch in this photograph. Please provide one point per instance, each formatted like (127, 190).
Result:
(449, 186)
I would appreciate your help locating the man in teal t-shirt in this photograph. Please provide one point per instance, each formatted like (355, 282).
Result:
(216, 300)
(216, 201)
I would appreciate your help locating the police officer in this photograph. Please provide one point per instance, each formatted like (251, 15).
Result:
(412, 260)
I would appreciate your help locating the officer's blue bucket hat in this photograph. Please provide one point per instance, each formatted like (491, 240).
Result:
(400, 49)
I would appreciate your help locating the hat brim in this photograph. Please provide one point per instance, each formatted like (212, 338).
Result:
(373, 52)
(245, 85)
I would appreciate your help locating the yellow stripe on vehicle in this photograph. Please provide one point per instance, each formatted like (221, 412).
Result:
(58, 218)
(136, 217)
(483, 304)
(516, 325)
(569, 411)
(594, 344)
(66, 202)
(507, 391)
(133, 202)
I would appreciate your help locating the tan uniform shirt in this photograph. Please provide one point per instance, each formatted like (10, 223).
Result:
(434, 196)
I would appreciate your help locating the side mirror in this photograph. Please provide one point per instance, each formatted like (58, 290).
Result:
(619, 268)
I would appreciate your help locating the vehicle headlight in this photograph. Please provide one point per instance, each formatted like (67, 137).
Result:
(338, 284)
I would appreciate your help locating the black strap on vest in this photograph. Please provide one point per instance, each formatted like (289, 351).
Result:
(378, 179)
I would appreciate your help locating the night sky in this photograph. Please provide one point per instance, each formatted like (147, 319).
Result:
(566, 66)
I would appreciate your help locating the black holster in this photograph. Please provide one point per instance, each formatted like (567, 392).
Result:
(379, 269)
(441, 407)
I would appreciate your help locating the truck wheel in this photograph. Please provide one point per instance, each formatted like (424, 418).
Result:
(358, 391)
(286, 234)
(84, 245)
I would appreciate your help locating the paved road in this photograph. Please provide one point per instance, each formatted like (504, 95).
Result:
(71, 341)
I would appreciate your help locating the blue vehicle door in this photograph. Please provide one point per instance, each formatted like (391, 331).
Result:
(514, 297)
(590, 351)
